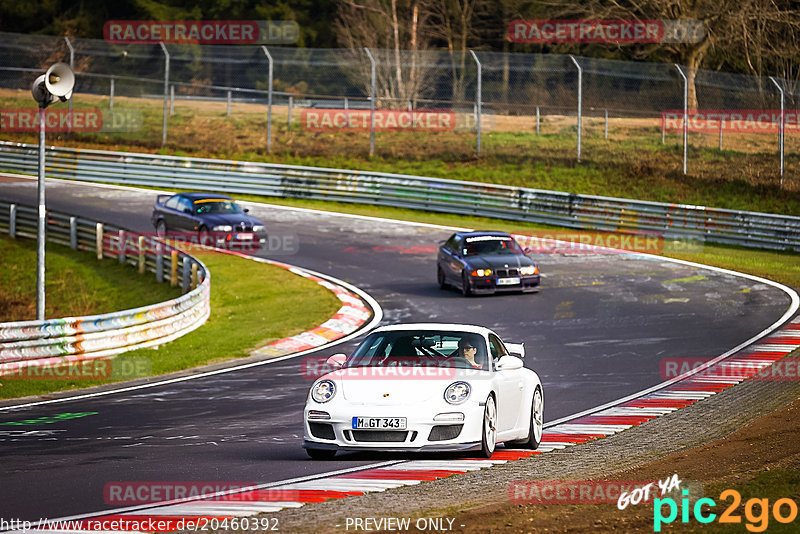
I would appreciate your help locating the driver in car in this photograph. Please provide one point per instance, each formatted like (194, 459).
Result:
(468, 351)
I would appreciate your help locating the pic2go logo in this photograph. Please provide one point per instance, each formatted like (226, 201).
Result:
(756, 511)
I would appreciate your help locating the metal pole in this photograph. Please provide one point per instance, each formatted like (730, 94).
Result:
(269, 100)
(166, 93)
(172, 100)
(40, 234)
(111, 95)
(478, 98)
(537, 120)
(685, 116)
(782, 126)
(228, 114)
(72, 67)
(580, 103)
(291, 105)
(371, 103)
(720, 134)
(605, 133)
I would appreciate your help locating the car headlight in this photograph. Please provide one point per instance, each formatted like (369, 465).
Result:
(258, 228)
(223, 228)
(323, 391)
(457, 392)
(482, 272)
(529, 270)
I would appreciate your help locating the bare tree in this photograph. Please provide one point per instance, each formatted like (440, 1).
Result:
(391, 29)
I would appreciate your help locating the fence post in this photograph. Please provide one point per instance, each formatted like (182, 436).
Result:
(537, 120)
(12, 221)
(159, 262)
(782, 125)
(291, 105)
(194, 275)
(111, 95)
(371, 102)
(478, 98)
(72, 67)
(173, 269)
(166, 93)
(141, 254)
(98, 240)
(186, 267)
(685, 115)
(172, 100)
(269, 100)
(580, 103)
(121, 238)
(73, 233)
(720, 134)
(605, 133)
(228, 114)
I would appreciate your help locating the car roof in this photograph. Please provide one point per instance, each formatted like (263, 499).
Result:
(491, 233)
(435, 326)
(200, 196)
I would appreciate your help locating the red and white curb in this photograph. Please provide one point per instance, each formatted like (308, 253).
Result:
(350, 317)
(688, 389)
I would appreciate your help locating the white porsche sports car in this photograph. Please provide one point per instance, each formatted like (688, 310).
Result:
(425, 387)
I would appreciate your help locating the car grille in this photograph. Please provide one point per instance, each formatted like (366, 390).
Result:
(379, 435)
(445, 432)
(502, 273)
(322, 430)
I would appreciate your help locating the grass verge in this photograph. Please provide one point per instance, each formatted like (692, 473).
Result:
(252, 304)
(75, 283)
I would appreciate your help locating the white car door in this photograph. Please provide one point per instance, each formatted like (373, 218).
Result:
(510, 391)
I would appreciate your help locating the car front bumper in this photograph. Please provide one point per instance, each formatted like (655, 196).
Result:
(489, 285)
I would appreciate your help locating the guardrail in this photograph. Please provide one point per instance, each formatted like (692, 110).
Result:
(672, 221)
(56, 341)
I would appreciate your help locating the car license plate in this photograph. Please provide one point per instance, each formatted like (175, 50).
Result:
(379, 423)
(245, 236)
(508, 281)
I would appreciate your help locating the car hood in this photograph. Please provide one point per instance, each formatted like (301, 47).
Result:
(232, 219)
(499, 261)
(357, 385)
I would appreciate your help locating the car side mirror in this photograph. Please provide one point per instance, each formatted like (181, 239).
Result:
(517, 349)
(508, 363)
(336, 361)
(247, 210)
(527, 250)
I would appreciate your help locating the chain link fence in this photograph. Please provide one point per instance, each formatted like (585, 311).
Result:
(452, 102)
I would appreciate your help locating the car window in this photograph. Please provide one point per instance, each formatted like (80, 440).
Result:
(216, 206)
(476, 246)
(497, 347)
(172, 203)
(418, 348)
(184, 204)
(451, 244)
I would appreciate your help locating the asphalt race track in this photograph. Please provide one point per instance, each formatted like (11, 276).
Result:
(598, 330)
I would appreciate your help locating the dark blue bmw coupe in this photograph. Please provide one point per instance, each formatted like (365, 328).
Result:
(485, 262)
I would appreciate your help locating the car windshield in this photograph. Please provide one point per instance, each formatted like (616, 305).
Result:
(216, 206)
(488, 245)
(421, 348)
